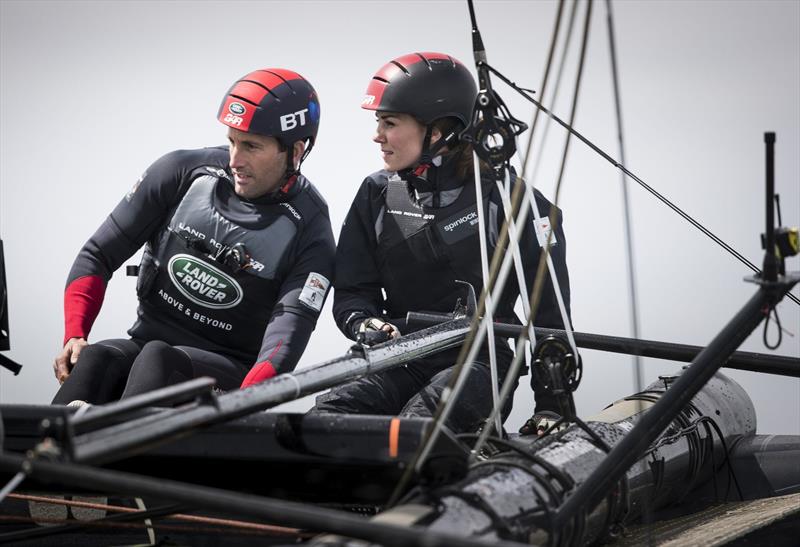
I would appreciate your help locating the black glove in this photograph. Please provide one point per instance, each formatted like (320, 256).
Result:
(374, 331)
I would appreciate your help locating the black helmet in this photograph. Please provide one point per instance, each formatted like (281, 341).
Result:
(428, 86)
(274, 102)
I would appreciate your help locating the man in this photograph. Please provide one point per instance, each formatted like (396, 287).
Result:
(238, 256)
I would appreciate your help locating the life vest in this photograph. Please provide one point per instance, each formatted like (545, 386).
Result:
(422, 251)
(210, 281)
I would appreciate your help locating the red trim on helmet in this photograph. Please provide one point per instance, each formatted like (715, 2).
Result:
(251, 92)
(248, 92)
(372, 99)
(267, 78)
(412, 58)
(272, 77)
(393, 70)
(236, 113)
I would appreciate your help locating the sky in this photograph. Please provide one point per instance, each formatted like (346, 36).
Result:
(93, 92)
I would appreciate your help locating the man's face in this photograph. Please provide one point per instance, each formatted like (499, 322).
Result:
(257, 163)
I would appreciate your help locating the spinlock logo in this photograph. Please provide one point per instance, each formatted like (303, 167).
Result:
(204, 284)
(292, 210)
(458, 222)
(236, 109)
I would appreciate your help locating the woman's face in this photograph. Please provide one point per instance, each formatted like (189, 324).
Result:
(400, 137)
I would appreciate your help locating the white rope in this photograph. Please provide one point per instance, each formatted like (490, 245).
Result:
(485, 275)
(11, 485)
(502, 276)
(151, 534)
(551, 268)
(297, 388)
(513, 237)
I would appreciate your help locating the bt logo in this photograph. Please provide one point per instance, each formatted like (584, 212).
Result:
(289, 121)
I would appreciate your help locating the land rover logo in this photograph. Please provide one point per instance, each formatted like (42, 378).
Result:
(204, 284)
(236, 108)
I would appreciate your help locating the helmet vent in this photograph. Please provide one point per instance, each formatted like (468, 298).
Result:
(401, 67)
(262, 86)
(425, 60)
(287, 82)
(248, 101)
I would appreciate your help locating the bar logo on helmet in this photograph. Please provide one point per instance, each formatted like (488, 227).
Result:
(235, 112)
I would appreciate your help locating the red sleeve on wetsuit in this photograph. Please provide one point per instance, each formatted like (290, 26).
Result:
(82, 301)
(260, 372)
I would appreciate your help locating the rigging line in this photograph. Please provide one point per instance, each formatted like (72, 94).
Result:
(546, 75)
(504, 192)
(553, 98)
(626, 206)
(634, 317)
(509, 225)
(474, 338)
(544, 258)
(522, 284)
(485, 276)
(443, 408)
(554, 279)
(176, 516)
(636, 179)
(574, 107)
(498, 272)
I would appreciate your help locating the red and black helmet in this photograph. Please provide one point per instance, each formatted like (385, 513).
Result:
(274, 102)
(427, 85)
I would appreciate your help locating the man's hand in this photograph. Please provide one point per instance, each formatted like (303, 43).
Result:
(376, 331)
(68, 357)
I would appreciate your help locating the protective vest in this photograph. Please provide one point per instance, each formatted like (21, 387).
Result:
(215, 278)
(422, 250)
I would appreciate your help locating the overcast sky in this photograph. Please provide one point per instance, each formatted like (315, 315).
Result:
(92, 92)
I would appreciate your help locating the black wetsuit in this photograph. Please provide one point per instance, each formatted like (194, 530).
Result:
(224, 283)
(390, 243)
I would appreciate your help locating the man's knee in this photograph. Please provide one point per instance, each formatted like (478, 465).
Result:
(101, 359)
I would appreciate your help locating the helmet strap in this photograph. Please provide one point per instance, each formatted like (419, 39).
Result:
(291, 173)
(416, 176)
(429, 152)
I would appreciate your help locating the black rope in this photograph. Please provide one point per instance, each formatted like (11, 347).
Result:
(639, 181)
(727, 460)
(547, 68)
(480, 55)
(553, 98)
(574, 107)
(773, 310)
(626, 207)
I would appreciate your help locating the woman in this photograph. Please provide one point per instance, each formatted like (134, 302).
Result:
(412, 231)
